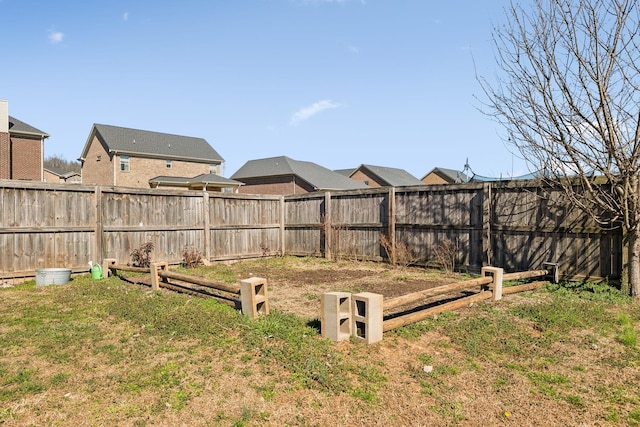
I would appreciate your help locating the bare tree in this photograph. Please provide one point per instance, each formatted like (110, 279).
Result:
(58, 162)
(567, 93)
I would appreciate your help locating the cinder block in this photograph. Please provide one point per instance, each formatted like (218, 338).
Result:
(335, 321)
(367, 317)
(497, 274)
(253, 297)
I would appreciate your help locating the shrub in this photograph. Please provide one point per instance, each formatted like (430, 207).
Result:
(398, 254)
(191, 258)
(141, 257)
(445, 254)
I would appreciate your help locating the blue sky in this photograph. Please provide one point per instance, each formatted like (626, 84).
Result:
(339, 83)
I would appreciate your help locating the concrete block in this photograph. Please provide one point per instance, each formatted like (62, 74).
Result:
(335, 321)
(253, 297)
(497, 274)
(367, 317)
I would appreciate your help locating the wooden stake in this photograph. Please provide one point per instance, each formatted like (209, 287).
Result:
(445, 289)
(407, 319)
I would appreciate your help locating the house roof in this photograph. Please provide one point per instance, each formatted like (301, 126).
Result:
(392, 177)
(346, 172)
(319, 177)
(451, 175)
(205, 178)
(18, 126)
(135, 142)
(61, 173)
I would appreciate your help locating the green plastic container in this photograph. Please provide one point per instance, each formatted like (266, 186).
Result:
(96, 271)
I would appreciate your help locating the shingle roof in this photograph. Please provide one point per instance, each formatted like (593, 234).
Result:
(155, 144)
(19, 126)
(452, 175)
(393, 177)
(319, 177)
(61, 173)
(206, 178)
(346, 172)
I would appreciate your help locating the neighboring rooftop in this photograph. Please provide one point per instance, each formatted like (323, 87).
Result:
(203, 180)
(392, 177)
(128, 141)
(61, 173)
(451, 176)
(18, 126)
(319, 177)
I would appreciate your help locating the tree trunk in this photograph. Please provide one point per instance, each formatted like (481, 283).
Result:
(633, 276)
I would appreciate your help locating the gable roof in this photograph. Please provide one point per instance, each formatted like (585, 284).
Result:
(143, 143)
(392, 177)
(18, 126)
(203, 179)
(319, 177)
(61, 173)
(346, 172)
(451, 175)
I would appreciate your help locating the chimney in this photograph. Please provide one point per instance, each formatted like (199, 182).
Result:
(5, 143)
(4, 116)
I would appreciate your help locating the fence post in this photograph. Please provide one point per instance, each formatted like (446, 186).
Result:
(392, 224)
(328, 229)
(207, 227)
(336, 318)
(106, 266)
(486, 224)
(367, 317)
(253, 297)
(283, 242)
(497, 274)
(99, 224)
(155, 278)
(552, 268)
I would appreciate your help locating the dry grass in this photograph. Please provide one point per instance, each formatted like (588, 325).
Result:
(110, 353)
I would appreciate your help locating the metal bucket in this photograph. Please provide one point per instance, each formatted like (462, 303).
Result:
(52, 276)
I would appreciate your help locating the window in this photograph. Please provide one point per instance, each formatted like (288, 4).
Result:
(124, 164)
(366, 183)
(213, 170)
(168, 164)
(98, 158)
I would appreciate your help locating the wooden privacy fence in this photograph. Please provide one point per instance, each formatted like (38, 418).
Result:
(250, 296)
(362, 315)
(516, 227)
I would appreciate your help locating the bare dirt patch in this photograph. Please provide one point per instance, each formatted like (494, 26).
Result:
(424, 375)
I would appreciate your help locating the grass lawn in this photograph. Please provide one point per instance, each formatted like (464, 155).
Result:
(108, 352)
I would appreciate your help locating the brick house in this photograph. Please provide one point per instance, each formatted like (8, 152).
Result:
(444, 176)
(381, 176)
(127, 157)
(284, 176)
(21, 148)
(61, 176)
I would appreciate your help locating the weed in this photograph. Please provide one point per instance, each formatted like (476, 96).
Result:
(398, 253)
(574, 400)
(363, 394)
(191, 258)
(141, 257)
(446, 253)
(628, 336)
